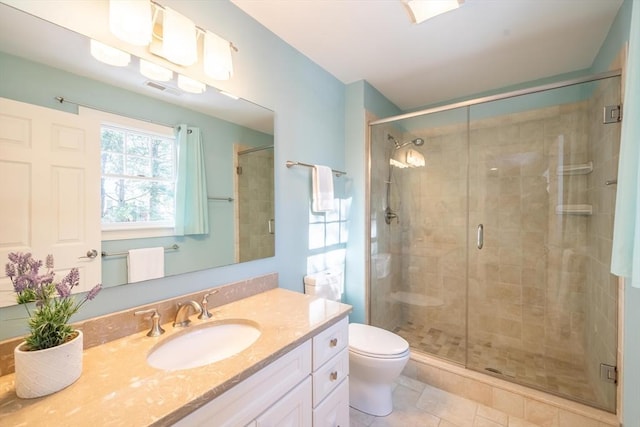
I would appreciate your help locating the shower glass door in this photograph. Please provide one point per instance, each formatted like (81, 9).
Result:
(542, 303)
(418, 239)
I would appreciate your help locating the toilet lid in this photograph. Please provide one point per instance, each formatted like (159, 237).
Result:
(370, 340)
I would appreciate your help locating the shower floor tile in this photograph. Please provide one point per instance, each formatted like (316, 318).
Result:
(530, 369)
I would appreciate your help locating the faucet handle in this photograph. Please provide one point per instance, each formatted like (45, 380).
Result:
(156, 329)
(205, 313)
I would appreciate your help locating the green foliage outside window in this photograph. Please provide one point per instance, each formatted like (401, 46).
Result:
(138, 176)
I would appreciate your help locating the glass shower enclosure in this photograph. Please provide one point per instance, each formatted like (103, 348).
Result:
(491, 229)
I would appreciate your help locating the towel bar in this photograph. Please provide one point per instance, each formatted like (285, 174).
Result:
(167, 248)
(291, 163)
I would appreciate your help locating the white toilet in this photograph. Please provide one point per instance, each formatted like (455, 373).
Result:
(376, 356)
(376, 359)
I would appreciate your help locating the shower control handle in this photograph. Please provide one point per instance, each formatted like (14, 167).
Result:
(480, 236)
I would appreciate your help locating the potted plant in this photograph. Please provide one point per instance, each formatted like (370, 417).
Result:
(50, 358)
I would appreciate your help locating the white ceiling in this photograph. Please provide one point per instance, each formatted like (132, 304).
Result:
(483, 45)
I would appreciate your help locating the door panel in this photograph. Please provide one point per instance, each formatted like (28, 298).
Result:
(542, 304)
(50, 169)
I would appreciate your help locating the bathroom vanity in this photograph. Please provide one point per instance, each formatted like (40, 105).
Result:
(295, 372)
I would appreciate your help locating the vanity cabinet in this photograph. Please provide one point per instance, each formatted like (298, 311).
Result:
(306, 387)
(260, 393)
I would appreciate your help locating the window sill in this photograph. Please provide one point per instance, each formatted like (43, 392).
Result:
(140, 233)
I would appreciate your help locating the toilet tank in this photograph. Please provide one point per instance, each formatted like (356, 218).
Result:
(327, 284)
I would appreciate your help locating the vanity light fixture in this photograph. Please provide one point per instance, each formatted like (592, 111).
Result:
(131, 21)
(179, 39)
(170, 35)
(190, 85)
(154, 71)
(421, 10)
(217, 57)
(109, 55)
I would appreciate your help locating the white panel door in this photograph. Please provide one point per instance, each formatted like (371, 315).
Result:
(50, 190)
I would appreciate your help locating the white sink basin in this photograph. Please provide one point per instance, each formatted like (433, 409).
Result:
(203, 344)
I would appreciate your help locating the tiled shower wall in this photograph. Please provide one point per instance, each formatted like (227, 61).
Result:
(433, 224)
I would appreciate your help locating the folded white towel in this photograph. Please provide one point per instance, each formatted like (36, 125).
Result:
(145, 264)
(322, 189)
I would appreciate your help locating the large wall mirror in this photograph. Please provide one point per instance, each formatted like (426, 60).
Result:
(41, 61)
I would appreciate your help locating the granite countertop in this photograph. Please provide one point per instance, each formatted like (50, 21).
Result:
(118, 387)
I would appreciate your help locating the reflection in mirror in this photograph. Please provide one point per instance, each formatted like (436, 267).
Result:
(41, 61)
(255, 207)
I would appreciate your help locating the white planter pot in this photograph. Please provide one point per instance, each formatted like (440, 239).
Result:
(42, 372)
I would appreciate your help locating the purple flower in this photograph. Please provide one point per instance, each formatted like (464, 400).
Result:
(55, 303)
(10, 269)
(63, 290)
(72, 278)
(93, 292)
(20, 284)
(49, 262)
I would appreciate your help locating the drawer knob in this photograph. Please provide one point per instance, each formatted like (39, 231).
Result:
(333, 342)
(333, 375)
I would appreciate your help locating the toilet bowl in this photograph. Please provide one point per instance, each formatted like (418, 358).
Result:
(376, 359)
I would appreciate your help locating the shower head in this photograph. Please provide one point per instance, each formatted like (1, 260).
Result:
(407, 158)
(417, 142)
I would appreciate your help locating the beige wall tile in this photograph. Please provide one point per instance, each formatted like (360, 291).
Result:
(508, 402)
(540, 413)
(494, 415)
(477, 391)
(569, 419)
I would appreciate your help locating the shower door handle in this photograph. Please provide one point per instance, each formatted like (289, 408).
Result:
(480, 236)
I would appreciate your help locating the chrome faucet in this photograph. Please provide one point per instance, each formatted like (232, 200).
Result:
(182, 316)
(156, 329)
(204, 314)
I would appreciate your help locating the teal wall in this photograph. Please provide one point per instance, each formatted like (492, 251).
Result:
(37, 84)
(309, 107)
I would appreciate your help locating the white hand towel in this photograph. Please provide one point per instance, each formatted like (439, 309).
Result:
(322, 180)
(145, 264)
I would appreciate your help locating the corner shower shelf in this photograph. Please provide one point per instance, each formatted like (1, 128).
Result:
(578, 169)
(574, 210)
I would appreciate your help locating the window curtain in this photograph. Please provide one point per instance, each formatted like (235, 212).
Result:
(625, 257)
(192, 213)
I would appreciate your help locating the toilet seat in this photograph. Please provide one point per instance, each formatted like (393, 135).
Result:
(374, 342)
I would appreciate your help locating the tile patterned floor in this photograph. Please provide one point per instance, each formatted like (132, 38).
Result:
(416, 404)
(531, 369)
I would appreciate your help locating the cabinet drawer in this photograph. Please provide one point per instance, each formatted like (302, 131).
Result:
(334, 410)
(328, 343)
(329, 376)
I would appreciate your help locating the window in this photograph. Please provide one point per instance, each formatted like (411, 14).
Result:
(138, 178)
